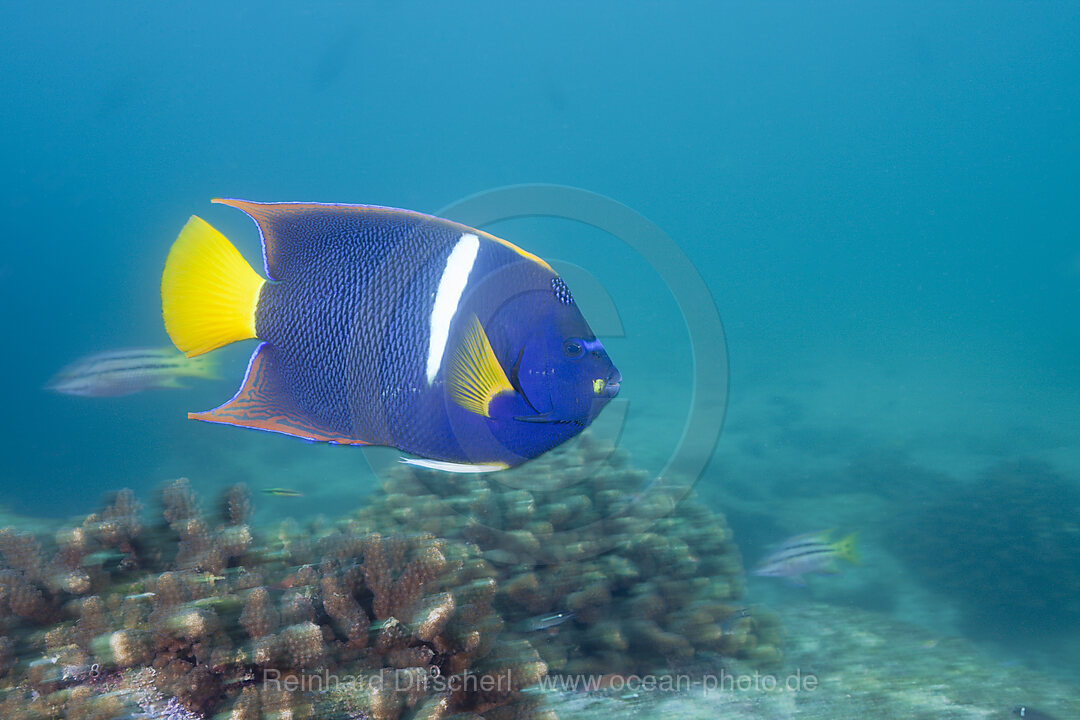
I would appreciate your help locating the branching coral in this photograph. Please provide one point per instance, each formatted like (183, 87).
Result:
(196, 618)
(396, 612)
(601, 569)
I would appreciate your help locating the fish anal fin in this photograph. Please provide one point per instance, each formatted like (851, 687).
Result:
(261, 404)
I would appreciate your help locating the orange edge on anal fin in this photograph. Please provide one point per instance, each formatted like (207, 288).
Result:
(261, 404)
(275, 427)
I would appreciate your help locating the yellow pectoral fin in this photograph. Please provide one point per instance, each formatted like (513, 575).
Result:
(475, 374)
(208, 291)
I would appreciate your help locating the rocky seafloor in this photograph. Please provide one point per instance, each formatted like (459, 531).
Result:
(578, 585)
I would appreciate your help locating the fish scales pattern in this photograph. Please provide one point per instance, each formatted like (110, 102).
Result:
(392, 340)
(350, 323)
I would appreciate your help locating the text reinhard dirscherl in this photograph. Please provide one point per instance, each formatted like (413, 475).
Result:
(501, 682)
(432, 681)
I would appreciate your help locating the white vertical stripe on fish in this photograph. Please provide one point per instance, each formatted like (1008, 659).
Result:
(451, 285)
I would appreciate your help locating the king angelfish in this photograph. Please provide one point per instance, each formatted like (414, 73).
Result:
(389, 327)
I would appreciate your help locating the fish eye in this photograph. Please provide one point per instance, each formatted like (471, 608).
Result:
(573, 348)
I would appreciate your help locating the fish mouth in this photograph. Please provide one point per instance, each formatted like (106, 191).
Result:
(610, 388)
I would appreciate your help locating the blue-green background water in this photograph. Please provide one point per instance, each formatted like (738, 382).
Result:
(882, 198)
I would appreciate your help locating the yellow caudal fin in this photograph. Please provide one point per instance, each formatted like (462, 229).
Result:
(208, 291)
(845, 549)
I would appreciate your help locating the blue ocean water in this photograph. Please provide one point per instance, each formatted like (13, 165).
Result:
(880, 197)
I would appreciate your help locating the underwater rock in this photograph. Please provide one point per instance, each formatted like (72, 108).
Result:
(640, 576)
(1012, 564)
(198, 616)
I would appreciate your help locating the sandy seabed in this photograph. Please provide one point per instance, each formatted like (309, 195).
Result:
(849, 664)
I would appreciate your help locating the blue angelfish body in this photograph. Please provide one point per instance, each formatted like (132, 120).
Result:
(390, 327)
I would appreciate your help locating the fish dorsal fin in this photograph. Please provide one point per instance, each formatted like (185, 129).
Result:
(816, 536)
(476, 377)
(288, 229)
(261, 404)
(284, 229)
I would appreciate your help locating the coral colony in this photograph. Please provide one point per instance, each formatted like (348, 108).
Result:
(636, 579)
(414, 607)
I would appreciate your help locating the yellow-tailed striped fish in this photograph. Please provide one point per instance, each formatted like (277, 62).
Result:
(808, 553)
(129, 370)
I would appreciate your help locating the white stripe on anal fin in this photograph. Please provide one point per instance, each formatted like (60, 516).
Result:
(454, 467)
(451, 285)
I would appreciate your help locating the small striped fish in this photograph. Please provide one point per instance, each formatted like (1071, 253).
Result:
(129, 370)
(807, 553)
(282, 492)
